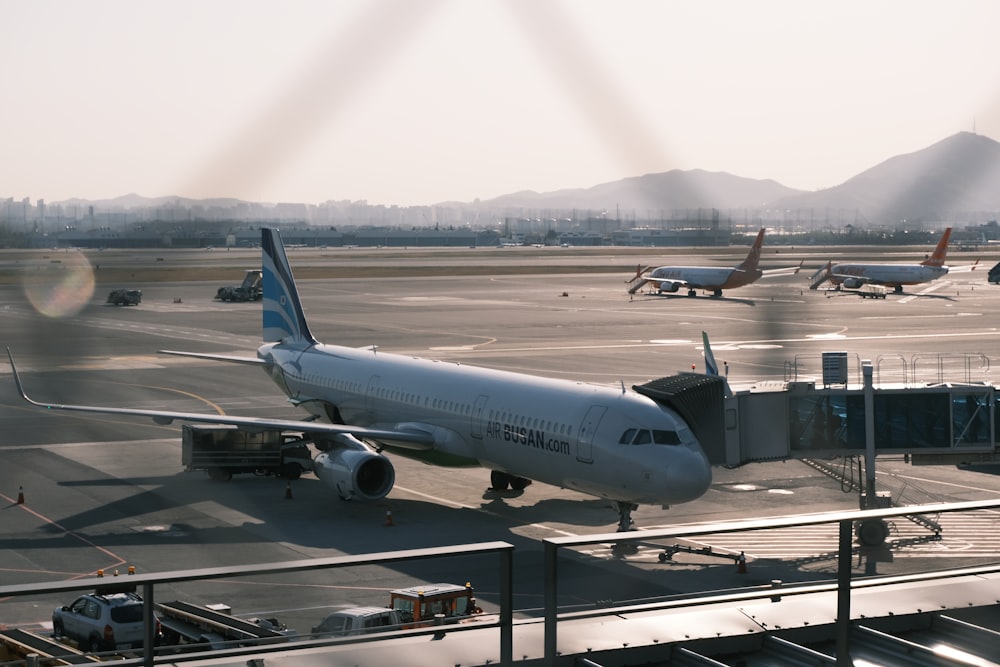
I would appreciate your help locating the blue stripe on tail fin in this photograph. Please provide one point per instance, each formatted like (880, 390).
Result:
(711, 368)
(284, 320)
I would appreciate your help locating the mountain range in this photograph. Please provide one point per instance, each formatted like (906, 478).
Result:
(957, 178)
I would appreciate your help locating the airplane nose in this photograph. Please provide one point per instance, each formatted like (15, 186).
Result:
(689, 477)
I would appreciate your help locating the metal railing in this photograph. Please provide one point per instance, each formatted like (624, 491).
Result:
(842, 587)
(147, 583)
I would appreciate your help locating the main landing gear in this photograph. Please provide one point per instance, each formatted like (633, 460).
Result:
(501, 481)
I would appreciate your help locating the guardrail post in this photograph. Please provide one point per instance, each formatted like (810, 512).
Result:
(149, 625)
(844, 595)
(550, 598)
(507, 607)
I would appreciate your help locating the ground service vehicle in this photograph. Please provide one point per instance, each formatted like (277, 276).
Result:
(105, 620)
(994, 274)
(872, 292)
(125, 297)
(223, 450)
(250, 290)
(215, 627)
(358, 621)
(418, 605)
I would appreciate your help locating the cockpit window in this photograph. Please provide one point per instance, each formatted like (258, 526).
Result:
(644, 437)
(666, 438)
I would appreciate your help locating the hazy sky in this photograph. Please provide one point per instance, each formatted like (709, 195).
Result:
(417, 102)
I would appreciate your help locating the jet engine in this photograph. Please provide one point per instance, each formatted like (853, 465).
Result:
(668, 286)
(354, 470)
(853, 283)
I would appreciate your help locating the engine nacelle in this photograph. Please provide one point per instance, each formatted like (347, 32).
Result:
(668, 286)
(853, 283)
(354, 470)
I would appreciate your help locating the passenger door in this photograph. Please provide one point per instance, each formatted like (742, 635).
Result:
(585, 437)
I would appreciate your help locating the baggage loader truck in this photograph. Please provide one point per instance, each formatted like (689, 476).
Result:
(223, 450)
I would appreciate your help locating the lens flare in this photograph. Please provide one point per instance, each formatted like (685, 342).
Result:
(61, 287)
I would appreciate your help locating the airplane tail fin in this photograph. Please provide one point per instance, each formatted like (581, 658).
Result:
(940, 250)
(284, 319)
(753, 257)
(711, 367)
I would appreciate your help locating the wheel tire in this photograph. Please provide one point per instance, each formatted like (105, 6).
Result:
(91, 644)
(519, 483)
(220, 474)
(290, 471)
(872, 532)
(499, 481)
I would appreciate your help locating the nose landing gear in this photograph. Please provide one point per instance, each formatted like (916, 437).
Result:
(625, 522)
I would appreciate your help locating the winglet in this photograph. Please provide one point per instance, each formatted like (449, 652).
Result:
(17, 378)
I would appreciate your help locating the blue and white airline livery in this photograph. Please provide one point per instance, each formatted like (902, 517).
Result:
(630, 447)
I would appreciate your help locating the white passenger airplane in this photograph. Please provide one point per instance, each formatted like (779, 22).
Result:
(710, 278)
(855, 274)
(630, 447)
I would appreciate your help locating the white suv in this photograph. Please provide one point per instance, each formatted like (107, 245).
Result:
(101, 622)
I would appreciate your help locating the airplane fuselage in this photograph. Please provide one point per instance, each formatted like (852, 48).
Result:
(701, 277)
(854, 275)
(560, 432)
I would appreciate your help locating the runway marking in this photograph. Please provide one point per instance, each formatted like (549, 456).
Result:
(758, 344)
(967, 535)
(118, 560)
(937, 481)
(480, 508)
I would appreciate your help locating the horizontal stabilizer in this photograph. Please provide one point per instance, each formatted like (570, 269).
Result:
(252, 361)
(783, 271)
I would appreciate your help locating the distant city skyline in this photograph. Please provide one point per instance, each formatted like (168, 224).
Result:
(417, 103)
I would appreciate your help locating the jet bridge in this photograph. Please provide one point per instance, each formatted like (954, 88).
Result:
(699, 400)
(938, 423)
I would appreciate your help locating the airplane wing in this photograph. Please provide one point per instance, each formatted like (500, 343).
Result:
(784, 271)
(407, 438)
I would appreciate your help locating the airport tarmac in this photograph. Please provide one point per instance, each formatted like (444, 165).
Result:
(108, 492)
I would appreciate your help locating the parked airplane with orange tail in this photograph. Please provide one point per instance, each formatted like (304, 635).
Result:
(713, 279)
(853, 275)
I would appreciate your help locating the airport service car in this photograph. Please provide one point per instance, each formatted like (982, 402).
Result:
(358, 621)
(101, 621)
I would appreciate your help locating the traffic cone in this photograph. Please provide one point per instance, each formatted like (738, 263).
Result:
(20, 495)
(288, 491)
(388, 518)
